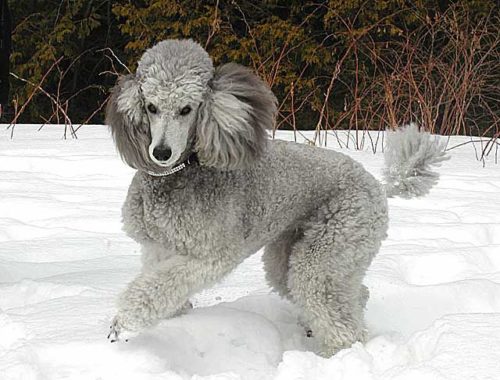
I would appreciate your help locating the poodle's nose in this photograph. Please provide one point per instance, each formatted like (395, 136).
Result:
(162, 153)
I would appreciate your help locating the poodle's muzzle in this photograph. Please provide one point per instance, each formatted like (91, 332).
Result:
(169, 140)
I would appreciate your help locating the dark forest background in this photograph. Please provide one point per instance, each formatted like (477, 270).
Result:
(334, 64)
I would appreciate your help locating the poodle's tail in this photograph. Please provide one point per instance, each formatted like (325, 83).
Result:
(409, 157)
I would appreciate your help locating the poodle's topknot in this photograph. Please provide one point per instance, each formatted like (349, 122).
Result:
(172, 60)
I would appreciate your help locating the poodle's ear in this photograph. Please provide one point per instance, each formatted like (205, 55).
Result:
(232, 121)
(125, 105)
(126, 117)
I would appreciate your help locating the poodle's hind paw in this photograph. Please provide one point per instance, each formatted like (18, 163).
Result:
(184, 309)
(307, 330)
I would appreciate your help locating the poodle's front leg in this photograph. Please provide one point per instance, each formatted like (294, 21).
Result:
(161, 293)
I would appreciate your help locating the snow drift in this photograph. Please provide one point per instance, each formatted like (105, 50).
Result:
(434, 311)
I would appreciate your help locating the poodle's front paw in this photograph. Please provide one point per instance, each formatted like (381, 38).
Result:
(114, 330)
(118, 333)
(136, 308)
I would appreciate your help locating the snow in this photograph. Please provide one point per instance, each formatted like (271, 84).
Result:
(434, 311)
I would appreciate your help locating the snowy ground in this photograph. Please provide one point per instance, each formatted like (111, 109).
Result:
(434, 311)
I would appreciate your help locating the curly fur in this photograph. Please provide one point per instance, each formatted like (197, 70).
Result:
(319, 214)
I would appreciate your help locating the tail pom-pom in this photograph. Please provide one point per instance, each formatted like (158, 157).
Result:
(409, 157)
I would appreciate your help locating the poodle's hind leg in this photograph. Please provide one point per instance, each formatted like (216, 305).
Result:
(275, 258)
(327, 267)
(364, 296)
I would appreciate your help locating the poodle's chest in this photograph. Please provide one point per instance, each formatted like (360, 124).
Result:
(189, 221)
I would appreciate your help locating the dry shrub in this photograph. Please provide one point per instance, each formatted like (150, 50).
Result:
(443, 76)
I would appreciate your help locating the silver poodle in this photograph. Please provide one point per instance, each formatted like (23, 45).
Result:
(212, 189)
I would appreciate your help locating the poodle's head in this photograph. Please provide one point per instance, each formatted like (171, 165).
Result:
(177, 104)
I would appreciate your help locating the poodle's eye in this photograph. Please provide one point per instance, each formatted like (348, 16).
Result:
(185, 110)
(151, 108)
